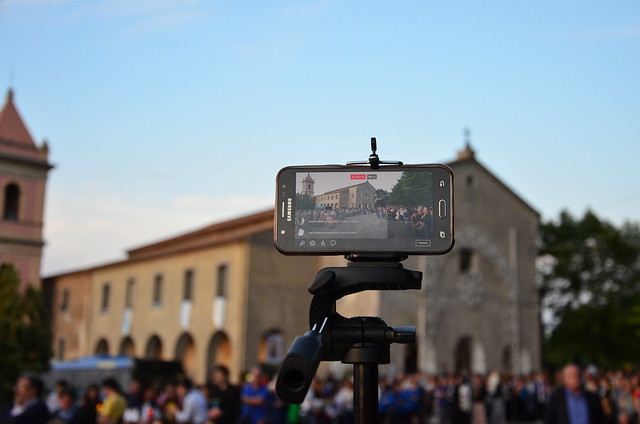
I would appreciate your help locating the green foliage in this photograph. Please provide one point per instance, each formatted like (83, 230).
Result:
(304, 202)
(25, 335)
(605, 335)
(411, 190)
(590, 284)
(382, 197)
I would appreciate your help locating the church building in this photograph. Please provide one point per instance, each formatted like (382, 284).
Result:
(357, 196)
(23, 177)
(478, 309)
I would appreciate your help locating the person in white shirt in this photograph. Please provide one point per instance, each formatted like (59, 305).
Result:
(194, 404)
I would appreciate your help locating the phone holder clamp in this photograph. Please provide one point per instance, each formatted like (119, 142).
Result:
(374, 160)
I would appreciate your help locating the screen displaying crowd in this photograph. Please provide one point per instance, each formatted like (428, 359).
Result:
(387, 222)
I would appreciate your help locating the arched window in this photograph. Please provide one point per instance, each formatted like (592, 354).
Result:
(219, 352)
(127, 348)
(186, 353)
(154, 348)
(102, 347)
(11, 202)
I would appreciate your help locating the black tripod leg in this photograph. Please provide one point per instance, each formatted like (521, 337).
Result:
(365, 393)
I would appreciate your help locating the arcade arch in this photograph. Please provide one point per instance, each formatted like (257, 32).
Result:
(154, 348)
(218, 352)
(102, 347)
(127, 347)
(186, 353)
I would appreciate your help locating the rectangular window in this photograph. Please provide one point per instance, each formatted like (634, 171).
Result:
(106, 293)
(61, 347)
(221, 283)
(466, 256)
(187, 287)
(128, 297)
(64, 305)
(157, 291)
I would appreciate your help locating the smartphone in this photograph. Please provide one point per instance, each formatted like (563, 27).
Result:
(336, 210)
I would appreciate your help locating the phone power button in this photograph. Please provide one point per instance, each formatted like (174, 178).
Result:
(442, 208)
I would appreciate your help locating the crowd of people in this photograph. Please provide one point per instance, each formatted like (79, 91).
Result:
(400, 220)
(570, 397)
(416, 221)
(328, 216)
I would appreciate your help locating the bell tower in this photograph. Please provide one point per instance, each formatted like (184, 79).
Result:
(23, 176)
(307, 186)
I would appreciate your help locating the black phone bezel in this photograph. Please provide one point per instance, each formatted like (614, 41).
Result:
(285, 209)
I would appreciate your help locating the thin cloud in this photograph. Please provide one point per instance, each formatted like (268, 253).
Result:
(86, 230)
(232, 202)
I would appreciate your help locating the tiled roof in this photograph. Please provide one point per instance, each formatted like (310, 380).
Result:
(16, 142)
(12, 127)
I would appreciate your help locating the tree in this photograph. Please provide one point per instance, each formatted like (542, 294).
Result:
(411, 190)
(590, 289)
(382, 197)
(304, 202)
(25, 335)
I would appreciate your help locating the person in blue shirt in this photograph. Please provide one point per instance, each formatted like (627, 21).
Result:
(67, 410)
(410, 400)
(571, 404)
(255, 395)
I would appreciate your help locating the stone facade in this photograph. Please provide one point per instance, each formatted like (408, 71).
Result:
(478, 309)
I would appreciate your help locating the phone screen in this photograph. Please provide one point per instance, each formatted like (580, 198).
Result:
(344, 209)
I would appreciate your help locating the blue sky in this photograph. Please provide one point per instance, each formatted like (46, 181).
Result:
(165, 115)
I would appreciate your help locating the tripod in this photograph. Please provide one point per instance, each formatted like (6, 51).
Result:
(361, 341)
